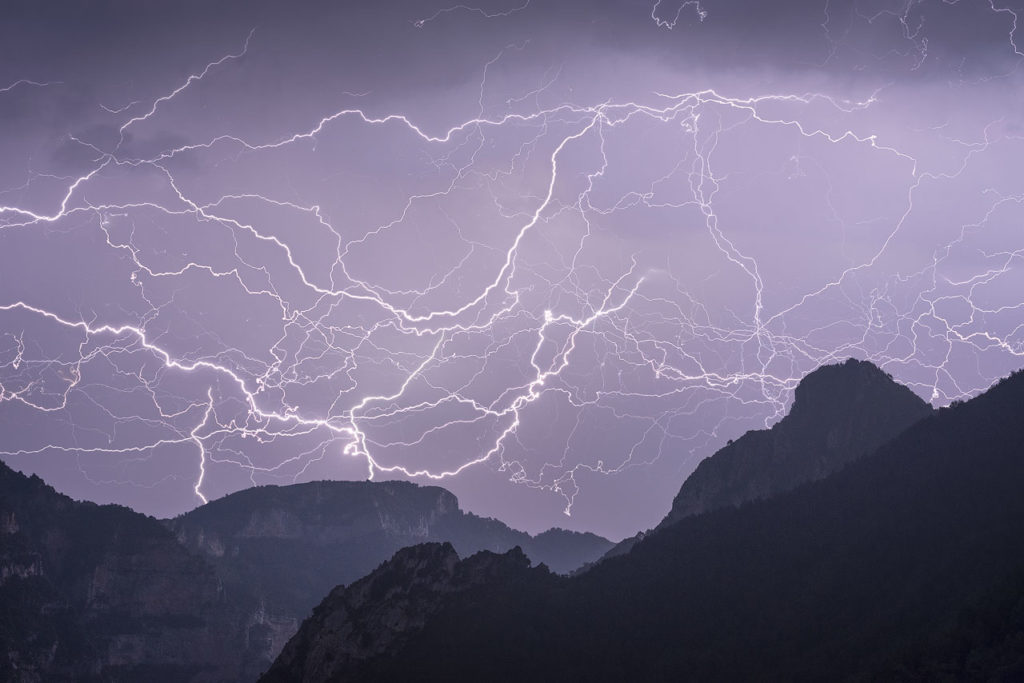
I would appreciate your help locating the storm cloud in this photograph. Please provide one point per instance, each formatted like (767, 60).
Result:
(547, 254)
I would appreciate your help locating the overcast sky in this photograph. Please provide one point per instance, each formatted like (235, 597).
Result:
(546, 254)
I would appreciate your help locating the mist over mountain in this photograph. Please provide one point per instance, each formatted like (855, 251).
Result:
(866, 573)
(282, 548)
(103, 592)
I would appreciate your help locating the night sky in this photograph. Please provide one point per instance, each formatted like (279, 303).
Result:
(546, 254)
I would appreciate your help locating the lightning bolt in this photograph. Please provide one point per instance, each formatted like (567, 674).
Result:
(528, 323)
(420, 23)
(670, 24)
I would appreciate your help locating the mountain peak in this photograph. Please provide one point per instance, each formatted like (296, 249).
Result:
(840, 413)
(842, 384)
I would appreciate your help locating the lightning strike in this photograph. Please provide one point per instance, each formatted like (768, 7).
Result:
(536, 319)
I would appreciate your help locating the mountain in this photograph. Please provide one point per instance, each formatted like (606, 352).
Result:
(102, 592)
(280, 549)
(986, 643)
(99, 592)
(840, 413)
(380, 612)
(864, 575)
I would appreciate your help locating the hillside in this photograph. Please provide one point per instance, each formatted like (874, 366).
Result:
(840, 413)
(99, 592)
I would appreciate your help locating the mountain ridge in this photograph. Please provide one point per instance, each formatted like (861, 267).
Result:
(840, 413)
(834, 578)
(230, 581)
(282, 548)
(820, 435)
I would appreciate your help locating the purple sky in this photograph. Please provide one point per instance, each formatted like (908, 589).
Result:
(548, 254)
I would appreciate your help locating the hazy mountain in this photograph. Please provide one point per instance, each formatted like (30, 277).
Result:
(866, 574)
(280, 549)
(102, 591)
(840, 413)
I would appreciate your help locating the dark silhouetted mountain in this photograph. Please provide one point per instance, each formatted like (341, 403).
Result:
(842, 578)
(985, 644)
(839, 414)
(99, 592)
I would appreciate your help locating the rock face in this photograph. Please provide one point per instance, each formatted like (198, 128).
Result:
(279, 549)
(839, 414)
(385, 609)
(101, 592)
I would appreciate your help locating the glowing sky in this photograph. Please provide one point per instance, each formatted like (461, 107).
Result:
(546, 254)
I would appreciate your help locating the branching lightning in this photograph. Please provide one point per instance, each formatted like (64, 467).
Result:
(524, 325)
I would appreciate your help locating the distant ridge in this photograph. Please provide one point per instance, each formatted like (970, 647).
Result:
(100, 592)
(321, 514)
(280, 549)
